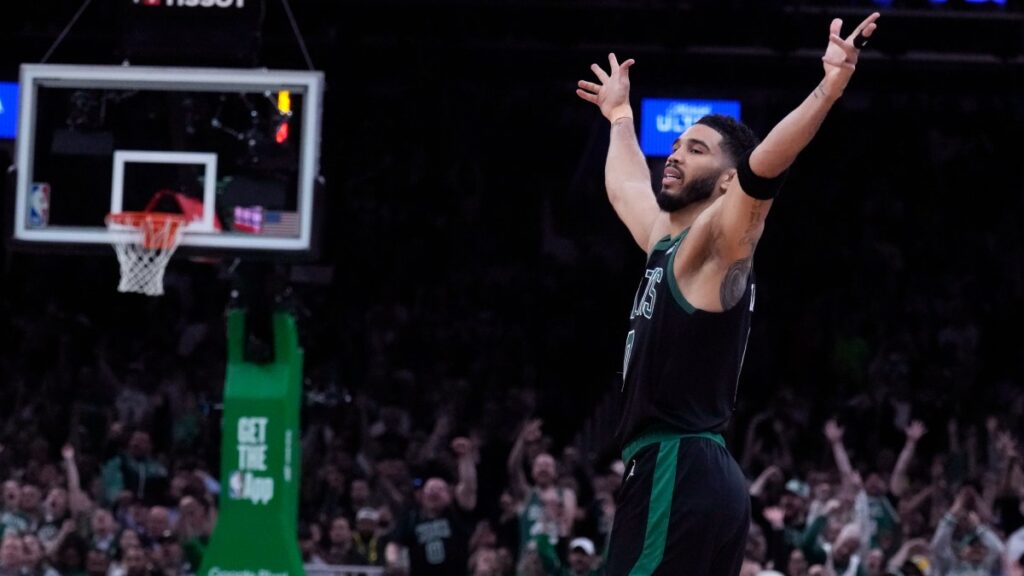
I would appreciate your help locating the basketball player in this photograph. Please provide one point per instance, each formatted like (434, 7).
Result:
(683, 507)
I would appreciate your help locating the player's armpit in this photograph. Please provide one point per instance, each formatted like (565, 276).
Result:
(737, 223)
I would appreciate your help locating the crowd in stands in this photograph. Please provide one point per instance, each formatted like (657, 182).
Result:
(108, 472)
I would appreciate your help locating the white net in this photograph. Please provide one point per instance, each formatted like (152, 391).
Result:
(145, 243)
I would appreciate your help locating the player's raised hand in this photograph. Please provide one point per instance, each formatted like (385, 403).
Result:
(840, 59)
(611, 91)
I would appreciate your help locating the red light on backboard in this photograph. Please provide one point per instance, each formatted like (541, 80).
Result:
(282, 133)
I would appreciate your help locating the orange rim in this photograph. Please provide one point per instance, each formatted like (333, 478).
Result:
(160, 230)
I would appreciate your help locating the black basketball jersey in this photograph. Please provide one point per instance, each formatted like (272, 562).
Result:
(681, 366)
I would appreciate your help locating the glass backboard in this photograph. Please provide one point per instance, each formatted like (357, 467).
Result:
(235, 150)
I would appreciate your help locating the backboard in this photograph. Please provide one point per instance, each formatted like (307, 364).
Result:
(235, 150)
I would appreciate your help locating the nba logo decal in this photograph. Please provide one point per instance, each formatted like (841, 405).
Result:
(39, 205)
(236, 484)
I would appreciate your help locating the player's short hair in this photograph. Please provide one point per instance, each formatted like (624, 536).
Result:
(737, 137)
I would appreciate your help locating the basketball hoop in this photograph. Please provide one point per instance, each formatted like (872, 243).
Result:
(144, 242)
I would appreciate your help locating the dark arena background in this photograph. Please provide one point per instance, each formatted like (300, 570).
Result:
(463, 303)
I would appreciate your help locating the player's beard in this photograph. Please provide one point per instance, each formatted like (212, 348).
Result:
(693, 191)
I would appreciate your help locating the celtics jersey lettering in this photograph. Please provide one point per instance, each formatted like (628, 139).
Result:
(680, 366)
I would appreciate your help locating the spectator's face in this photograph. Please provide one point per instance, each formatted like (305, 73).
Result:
(552, 505)
(793, 506)
(57, 501)
(875, 486)
(570, 457)
(876, 563)
(30, 498)
(606, 502)
(97, 563)
(360, 491)
(486, 562)
(139, 445)
(832, 528)
(846, 548)
(436, 495)
(506, 502)
(316, 533)
(307, 547)
(334, 478)
(11, 552)
(135, 562)
(170, 554)
(579, 561)
(797, 564)
(530, 565)
(974, 553)
(341, 533)
(366, 526)
(125, 501)
(505, 561)
(102, 523)
(544, 470)
(12, 493)
(822, 491)
(192, 511)
(129, 539)
(158, 521)
(178, 485)
(32, 549)
(485, 536)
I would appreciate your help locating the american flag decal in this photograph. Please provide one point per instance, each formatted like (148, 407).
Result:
(278, 223)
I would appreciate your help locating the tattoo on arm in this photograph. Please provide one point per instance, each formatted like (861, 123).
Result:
(624, 123)
(734, 283)
(752, 234)
(819, 92)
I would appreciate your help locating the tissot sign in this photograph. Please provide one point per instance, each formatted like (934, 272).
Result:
(193, 3)
(191, 32)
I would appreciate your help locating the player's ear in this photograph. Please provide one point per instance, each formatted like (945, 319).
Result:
(725, 179)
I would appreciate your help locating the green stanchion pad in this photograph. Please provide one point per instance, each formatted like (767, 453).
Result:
(256, 533)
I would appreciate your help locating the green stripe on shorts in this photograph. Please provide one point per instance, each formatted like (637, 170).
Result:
(660, 509)
(662, 489)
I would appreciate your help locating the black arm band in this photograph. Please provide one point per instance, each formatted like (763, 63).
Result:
(758, 186)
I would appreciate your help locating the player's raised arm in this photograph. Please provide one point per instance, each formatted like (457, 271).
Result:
(740, 220)
(627, 177)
